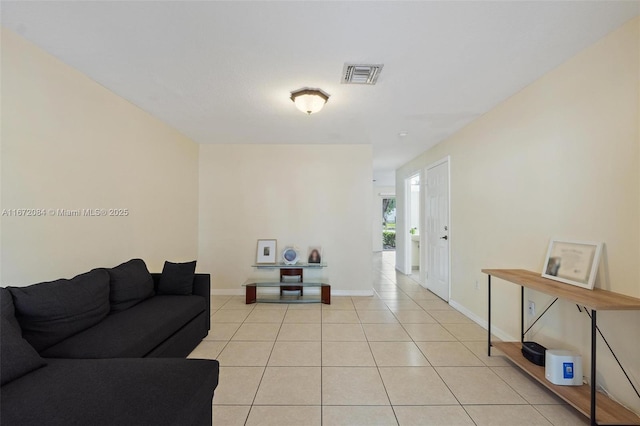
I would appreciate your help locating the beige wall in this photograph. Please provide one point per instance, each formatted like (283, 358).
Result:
(559, 159)
(300, 195)
(68, 143)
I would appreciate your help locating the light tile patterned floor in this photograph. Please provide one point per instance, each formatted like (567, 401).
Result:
(401, 357)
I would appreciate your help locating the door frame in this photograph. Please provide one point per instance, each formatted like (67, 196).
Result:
(408, 267)
(423, 240)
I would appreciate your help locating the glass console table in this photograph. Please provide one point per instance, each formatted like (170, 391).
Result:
(282, 265)
(251, 290)
(291, 280)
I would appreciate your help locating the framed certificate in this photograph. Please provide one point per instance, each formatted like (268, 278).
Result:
(572, 262)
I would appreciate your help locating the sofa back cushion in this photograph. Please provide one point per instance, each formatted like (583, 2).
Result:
(130, 283)
(52, 311)
(7, 309)
(17, 356)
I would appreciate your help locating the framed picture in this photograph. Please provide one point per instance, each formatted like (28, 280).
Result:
(289, 256)
(315, 255)
(573, 262)
(266, 252)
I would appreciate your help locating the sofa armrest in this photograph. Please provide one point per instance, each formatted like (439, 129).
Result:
(201, 287)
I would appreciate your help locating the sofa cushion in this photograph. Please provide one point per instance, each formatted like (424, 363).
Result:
(177, 278)
(17, 356)
(131, 283)
(53, 311)
(7, 310)
(110, 392)
(132, 333)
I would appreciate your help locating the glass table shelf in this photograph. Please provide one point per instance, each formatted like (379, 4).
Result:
(282, 265)
(251, 291)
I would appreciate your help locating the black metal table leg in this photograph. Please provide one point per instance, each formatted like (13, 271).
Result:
(521, 314)
(593, 367)
(489, 316)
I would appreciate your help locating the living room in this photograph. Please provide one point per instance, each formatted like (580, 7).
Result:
(557, 156)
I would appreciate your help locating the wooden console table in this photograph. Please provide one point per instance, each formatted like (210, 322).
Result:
(600, 409)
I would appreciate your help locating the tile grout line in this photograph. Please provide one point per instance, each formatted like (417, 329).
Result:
(235, 332)
(378, 367)
(254, 396)
(375, 361)
(432, 366)
(266, 363)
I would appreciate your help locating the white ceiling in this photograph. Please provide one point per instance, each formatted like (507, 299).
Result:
(222, 71)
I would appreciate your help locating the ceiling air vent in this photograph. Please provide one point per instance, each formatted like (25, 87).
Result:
(361, 73)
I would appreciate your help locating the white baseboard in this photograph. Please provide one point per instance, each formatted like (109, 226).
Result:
(227, 292)
(499, 333)
(356, 293)
(401, 271)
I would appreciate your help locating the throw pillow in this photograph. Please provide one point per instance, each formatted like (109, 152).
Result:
(52, 311)
(177, 278)
(131, 283)
(17, 356)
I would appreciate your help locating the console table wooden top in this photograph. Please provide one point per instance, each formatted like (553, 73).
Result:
(597, 299)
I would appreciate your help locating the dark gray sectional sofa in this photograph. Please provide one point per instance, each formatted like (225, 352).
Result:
(105, 348)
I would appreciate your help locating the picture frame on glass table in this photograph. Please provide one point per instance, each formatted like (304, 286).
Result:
(315, 255)
(572, 262)
(266, 252)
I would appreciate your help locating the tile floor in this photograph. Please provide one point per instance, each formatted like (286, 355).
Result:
(401, 357)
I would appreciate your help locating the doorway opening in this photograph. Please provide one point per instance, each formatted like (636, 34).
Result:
(389, 224)
(413, 240)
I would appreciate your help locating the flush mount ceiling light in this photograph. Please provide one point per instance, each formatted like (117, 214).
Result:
(309, 100)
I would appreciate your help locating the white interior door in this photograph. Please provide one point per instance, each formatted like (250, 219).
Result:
(437, 226)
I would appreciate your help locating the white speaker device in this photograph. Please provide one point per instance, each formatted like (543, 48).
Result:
(563, 367)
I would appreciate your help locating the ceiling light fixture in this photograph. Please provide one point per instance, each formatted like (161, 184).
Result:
(309, 100)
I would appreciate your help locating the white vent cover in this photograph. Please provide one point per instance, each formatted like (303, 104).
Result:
(361, 73)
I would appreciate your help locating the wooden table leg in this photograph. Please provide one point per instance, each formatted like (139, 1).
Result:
(325, 294)
(251, 292)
